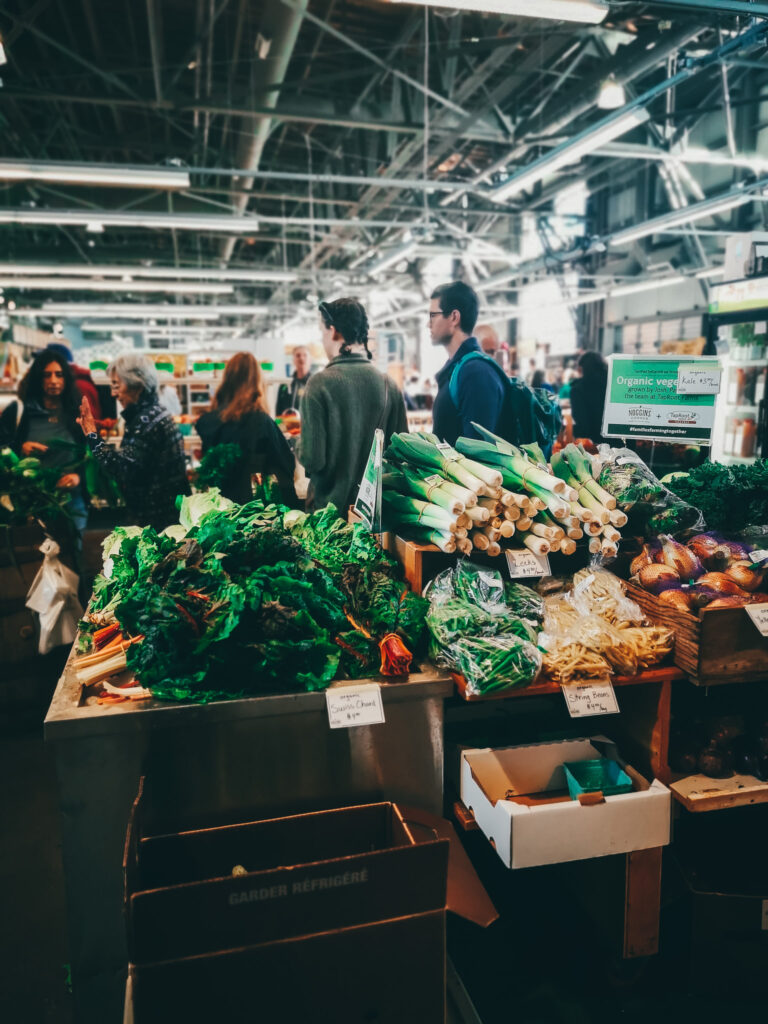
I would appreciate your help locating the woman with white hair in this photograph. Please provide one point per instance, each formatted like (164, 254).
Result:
(149, 465)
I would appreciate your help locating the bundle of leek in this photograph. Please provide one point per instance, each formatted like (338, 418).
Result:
(425, 450)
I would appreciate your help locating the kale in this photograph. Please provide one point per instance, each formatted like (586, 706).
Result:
(731, 498)
(219, 465)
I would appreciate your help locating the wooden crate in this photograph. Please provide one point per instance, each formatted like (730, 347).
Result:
(722, 646)
(420, 562)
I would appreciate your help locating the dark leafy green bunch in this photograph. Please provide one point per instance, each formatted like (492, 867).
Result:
(28, 490)
(218, 465)
(248, 599)
(731, 498)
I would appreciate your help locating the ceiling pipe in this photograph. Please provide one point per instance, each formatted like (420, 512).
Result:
(645, 63)
(281, 25)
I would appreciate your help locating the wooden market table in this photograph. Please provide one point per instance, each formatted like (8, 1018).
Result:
(223, 761)
(644, 739)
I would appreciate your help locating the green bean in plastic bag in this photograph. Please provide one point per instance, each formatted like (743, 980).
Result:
(496, 662)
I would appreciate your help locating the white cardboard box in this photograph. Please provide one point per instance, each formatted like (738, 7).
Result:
(550, 833)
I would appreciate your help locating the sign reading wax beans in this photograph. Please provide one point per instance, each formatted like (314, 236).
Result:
(368, 504)
(661, 398)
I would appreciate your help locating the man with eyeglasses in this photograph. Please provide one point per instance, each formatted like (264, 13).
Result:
(471, 387)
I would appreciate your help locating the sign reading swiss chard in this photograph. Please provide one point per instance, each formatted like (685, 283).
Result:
(643, 400)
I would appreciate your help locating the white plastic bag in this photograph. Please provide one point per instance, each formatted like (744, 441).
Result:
(53, 595)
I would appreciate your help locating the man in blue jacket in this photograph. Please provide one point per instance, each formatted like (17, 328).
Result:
(479, 390)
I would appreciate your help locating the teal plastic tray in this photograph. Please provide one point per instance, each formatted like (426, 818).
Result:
(600, 774)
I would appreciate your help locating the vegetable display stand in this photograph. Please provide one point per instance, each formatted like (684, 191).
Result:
(642, 727)
(258, 755)
(420, 562)
(642, 891)
(723, 646)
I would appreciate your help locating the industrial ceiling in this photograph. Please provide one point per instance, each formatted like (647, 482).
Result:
(192, 159)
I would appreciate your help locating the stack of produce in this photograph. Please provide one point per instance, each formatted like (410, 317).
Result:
(487, 494)
(707, 572)
(483, 628)
(245, 599)
(595, 630)
(731, 498)
(718, 747)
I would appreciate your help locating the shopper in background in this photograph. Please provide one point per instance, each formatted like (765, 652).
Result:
(83, 379)
(169, 397)
(342, 407)
(539, 380)
(480, 385)
(290, 396)
(149, 465)
(588, 397)
(46, 411)
(239, 416)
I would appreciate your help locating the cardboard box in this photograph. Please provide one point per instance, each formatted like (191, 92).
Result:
(340, 917)
(520, 800)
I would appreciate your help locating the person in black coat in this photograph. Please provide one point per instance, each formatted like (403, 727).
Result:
(588, 397)
(238, 416)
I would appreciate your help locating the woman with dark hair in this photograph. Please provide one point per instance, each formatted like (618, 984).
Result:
(239, 416)
(588, 397)
(342, 407)
(46, 411)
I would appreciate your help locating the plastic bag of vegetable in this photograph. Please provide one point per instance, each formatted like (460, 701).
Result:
(651, 507)
(496, 662)
(468, 582)
(598, 592)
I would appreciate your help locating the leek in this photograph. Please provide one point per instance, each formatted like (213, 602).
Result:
(618, 518)
(494, 549)
(601, 494)
(420, 450)
(537, 545)
(507, 529)
(479, 514)
(480, 541)
(589, 501)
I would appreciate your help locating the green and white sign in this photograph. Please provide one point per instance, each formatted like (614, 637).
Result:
(368, 504)
(651, 398)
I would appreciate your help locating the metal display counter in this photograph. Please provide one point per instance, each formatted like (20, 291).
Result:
(210, 763)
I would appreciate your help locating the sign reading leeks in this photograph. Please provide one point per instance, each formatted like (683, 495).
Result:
(368, 504)
(656, 398)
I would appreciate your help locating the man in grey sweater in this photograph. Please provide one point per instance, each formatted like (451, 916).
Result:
(342, 407)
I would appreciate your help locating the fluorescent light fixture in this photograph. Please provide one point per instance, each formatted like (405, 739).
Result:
(645, 286)
(133, 310)
(611, 95)
(223, 223)
(685, 215)
(702, 275)
(93, 174)
(584, 11)
(85, 285)
(389, 259)
(568, 152)
(3, 58)
(171, 273)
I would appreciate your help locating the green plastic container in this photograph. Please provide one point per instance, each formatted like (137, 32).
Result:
(601, 775)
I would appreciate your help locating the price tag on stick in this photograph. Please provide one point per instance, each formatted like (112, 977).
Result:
(759, 615)
(587, 699)
(354, 705)
(524, 564)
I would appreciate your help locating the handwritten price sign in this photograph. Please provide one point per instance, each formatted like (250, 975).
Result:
(759, 615)
(349, 706)
(524, 564)
(589, 699)
(697, 379)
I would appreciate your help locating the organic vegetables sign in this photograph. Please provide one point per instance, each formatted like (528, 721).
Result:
(643, 400)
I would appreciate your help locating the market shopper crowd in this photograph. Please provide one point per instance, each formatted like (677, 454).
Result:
(339, 407)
